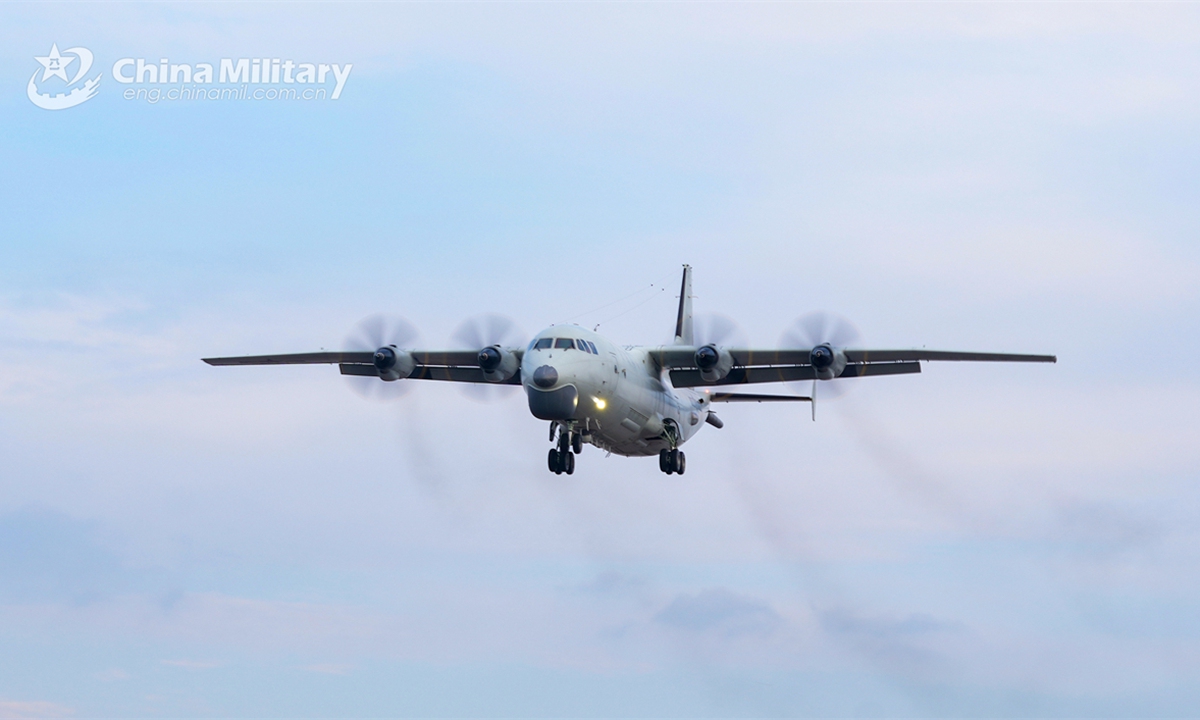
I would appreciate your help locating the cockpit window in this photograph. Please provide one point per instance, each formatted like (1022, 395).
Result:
(543, 344)
(564, 343)
(593, 347)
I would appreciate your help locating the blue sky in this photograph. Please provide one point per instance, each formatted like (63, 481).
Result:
(178, 540)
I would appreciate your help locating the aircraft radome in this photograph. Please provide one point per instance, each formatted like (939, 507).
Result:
(633, 401)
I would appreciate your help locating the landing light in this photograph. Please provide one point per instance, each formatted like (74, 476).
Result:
(600, 404)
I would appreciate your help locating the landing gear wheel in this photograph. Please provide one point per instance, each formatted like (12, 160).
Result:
(577, 443)
(569, 463)
(553, 461)
(672, 461)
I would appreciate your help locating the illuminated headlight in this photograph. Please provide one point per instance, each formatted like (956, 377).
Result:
(600, 404)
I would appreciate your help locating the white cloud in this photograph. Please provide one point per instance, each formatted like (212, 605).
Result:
(23, 709)
(113, 675)
(191, 664)
(719, 610)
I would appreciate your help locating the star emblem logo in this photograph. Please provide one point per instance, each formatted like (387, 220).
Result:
(55, 64)
(54, 69)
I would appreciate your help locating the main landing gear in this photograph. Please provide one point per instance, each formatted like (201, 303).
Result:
(672, 461)
(562, 459)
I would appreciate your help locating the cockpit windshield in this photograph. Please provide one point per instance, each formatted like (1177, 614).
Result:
(564, 344)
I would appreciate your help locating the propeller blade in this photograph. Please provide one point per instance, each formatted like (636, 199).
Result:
(375, 331)
(370, 334)
(818, 328)
(720, 330)
(480, 331)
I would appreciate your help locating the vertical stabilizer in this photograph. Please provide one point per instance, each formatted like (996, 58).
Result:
(683, 321)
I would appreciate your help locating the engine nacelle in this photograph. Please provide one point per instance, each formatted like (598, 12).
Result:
(498, 364)
(392, 363)
(827, 361)
(714, 362)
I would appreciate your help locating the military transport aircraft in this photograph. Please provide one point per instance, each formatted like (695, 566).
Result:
(633, 401)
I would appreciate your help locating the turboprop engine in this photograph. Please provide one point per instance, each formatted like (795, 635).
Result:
(827, 361)
(714, 362)
(498, 364)
(392, 363)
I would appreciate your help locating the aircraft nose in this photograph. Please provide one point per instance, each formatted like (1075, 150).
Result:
(545, 376)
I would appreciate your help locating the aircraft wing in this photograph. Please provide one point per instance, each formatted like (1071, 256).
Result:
(353, 358)
(870, 356)
(751, 397)
(765, 366)
(446, 365)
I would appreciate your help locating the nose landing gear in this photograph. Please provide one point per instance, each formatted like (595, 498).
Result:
(561, 462)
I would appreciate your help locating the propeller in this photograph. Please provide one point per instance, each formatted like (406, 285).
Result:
(821, 328)
(720, 330)
(817, 328)
(485, 330)
(378, 332)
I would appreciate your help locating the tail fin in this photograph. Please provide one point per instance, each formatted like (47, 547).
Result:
(683, 321)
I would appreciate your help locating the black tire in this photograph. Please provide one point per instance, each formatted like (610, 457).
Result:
(663, 459)
(681, 464)
(673, 462)
(553, 461)
(569, 463)
(577, 443)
